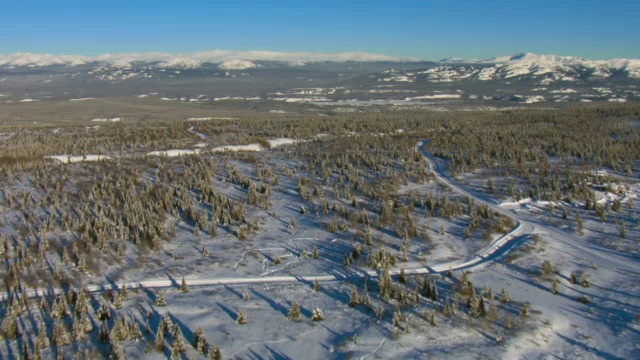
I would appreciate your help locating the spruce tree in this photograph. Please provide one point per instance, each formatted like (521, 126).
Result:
(242, 317)
(294, 311)
(353, 298)
(317, 315)
(215, 353)
(178, 340)
(160, 301)
(183, 286)
(159, 342)
(504, 296)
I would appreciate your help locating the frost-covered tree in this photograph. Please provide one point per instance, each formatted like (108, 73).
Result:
(242, 317)
(183, 286)
(504, 296)
(294, 311)
(353, 297)
(160, 301)
(317, 315)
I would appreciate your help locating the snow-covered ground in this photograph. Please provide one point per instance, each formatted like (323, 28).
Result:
(79, 158)
(558, 325)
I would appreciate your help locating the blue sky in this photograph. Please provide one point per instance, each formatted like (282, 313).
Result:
(423, 29)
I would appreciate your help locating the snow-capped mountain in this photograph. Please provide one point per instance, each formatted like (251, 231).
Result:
(237, 65)
(349, 78)
(181, 63)
(34, 60)
(552, 67)
(191, 60)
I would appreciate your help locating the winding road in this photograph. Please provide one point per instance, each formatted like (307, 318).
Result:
(524, 227)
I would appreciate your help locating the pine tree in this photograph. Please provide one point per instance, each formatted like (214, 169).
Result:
(199, 340)
(159, 343)
(10, 327)
(197, 335)
(294, 311)
(82, 265)
(175, 354)
(124, 294)
(103, 312)
(402, 278)
(353, 298)
(317, 315)
(554, 287)
(316, 285)
(168, 324)
(43, 340)
(77, 330)
(446, 311)
(481, 309)
(160, 301)
(178, 340)
(201, 346)
(547, 268)
(245, 295)
(416, 297)
(242, 317)
(426, 287)
(117, 303)
(432, 318)
(215, 353)
(134, 332)
(580, 225)
(573, 278)
(183, 286)
(61, 336)
(504, 296)
(492, 314)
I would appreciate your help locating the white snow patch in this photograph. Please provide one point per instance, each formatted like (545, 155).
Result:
(172, 153)
(115, 119)
(282, 141)
(250, 147)
(237, 65)
(563, 91)
(534, 99)
(434, 97)
(65, 159)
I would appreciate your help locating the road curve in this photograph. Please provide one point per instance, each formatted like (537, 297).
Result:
(494, 250)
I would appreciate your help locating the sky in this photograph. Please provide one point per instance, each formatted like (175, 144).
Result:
(424, 29)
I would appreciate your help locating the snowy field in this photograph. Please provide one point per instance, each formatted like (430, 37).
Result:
(508, 276)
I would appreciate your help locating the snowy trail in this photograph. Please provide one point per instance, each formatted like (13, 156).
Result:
(496, 249)
(200, 135)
